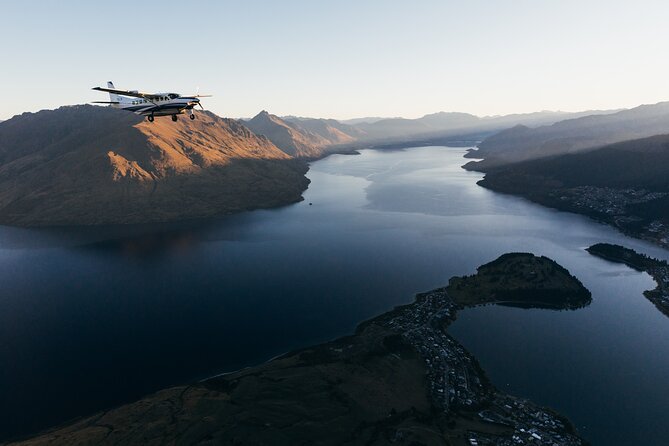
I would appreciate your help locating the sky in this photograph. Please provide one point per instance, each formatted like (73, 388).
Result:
(340, 59)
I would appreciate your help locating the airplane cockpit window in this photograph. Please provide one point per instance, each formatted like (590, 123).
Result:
(173, 95)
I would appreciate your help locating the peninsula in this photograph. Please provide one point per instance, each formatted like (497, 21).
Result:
(400, 379)
(658, 269)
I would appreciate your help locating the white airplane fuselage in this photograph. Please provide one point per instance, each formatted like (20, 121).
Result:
(162, 104)
(150, 104)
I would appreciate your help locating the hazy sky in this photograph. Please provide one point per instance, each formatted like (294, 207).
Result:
(341, 58)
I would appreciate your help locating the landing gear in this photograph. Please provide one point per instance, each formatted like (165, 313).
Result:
(150, 118)
(192, 115)
(174, 118)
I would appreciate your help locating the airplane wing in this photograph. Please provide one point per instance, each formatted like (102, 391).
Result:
(135, 94)
(105, 102)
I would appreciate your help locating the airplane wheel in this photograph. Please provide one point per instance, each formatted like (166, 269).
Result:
(150, 118)
(192, 116)
(174, 118)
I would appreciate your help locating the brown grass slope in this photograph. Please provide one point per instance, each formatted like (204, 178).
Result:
(86, 165)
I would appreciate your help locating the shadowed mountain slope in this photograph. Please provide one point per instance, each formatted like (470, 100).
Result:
(522, 143)
(625, 185)
(641, 163)
(97, 165)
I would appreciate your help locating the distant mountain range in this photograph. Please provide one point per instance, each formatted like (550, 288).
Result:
(310, 137)
(368, 120)
(572, 135)
(451, 123)
(97, 165)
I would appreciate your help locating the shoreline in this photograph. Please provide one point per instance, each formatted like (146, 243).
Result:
(434, 383)
(657, 269)
(570, 200)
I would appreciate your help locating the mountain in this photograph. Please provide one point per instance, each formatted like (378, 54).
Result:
(401, 127)
(452, 123)
(367, 119)
(641, 163)
(624, 184)
(85, 165)
(333, 131)
(572, 135)
(286, 136)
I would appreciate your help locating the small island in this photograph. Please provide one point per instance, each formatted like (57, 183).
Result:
(658, 269)
(401, 378)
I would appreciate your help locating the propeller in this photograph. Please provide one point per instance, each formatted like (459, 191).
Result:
(198, 95)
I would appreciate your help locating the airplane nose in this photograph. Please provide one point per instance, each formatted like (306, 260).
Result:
(195, 101)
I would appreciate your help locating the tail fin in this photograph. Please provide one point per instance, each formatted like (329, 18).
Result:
(113, 97)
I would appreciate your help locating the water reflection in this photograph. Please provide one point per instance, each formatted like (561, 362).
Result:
(145, 246)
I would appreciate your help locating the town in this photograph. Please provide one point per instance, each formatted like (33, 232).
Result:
(613, 206)
(458, 385)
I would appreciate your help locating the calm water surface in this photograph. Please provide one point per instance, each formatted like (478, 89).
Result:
(91, 318)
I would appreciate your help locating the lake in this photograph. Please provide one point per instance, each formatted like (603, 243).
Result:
(95, 317)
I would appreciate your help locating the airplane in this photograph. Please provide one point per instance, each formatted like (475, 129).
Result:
(151, 104)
